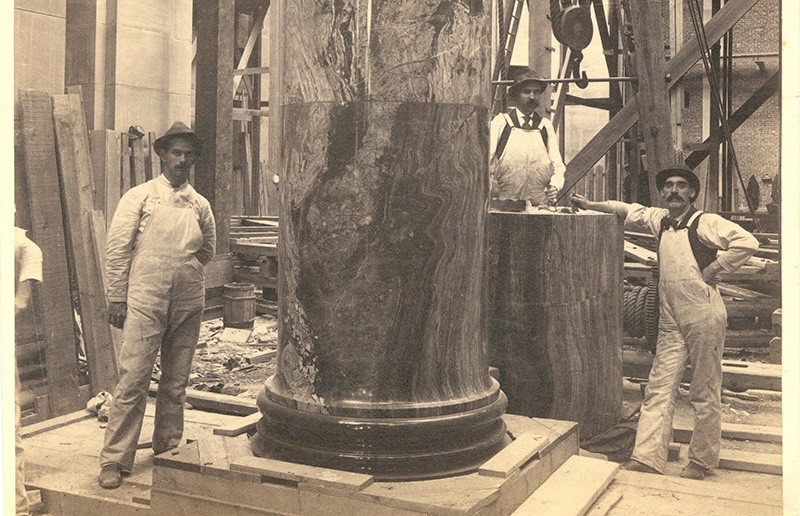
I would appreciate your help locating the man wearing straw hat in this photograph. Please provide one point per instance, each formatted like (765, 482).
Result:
(526, 163)
(161, 236)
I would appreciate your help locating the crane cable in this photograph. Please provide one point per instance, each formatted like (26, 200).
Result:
(705, 52)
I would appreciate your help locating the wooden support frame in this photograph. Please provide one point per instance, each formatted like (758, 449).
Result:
(675, 68)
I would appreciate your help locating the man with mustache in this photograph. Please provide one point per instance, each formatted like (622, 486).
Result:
(693, 247)
(526, 163)
(161, 236)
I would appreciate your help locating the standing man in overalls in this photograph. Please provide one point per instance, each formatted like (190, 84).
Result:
(526, 163)
(161, 236)
(692, 316)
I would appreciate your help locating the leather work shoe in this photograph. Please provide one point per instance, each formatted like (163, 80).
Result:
(635, 465)
(110, 476)
(694, 471)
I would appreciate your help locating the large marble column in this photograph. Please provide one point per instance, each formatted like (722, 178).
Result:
(382, 356)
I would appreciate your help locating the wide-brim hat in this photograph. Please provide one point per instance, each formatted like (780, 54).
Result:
(178, 129)
(524, 76)
(681, 171)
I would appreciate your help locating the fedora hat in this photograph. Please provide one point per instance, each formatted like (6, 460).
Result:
(681, 171)
(178, 129)
(523, 76)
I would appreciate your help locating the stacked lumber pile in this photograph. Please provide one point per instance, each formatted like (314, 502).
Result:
(65, 196)
(254, 246)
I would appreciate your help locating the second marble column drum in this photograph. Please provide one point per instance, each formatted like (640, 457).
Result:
(382, 356)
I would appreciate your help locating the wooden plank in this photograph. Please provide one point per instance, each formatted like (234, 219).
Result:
(97, 143)
(113, 174)
(510, 458)
(52, 302)
(677, 67)
(301, 473)
(75, 172)
(571, 489)
(640, 254)
(56, 422)
(682, 433)
(264, 356)
(755, 462)
(214, 402)
(137, 161)
(125, 163)
(675, 487)
(737, 376)
(605, 503)
(246, 425)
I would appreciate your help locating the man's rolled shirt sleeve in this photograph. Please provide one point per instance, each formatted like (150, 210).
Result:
(28, 257)
(737, 245)
(559, 169)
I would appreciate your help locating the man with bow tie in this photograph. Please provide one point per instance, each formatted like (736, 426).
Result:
(693, 247)
(526, 163)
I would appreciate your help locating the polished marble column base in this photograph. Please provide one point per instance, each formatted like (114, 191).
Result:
(387, 448)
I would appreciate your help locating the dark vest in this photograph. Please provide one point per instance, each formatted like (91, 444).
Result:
(703, 255)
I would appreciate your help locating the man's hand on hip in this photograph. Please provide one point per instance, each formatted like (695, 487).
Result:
(710, 273)
(116, 313)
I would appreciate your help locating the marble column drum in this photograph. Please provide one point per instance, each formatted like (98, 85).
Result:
(382, 354)
(555, 315)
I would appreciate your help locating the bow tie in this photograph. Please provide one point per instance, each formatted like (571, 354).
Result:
(669, 222)
(527, 122)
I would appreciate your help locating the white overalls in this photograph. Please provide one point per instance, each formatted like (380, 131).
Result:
(691, 327)
(165, 306)
(527, 167)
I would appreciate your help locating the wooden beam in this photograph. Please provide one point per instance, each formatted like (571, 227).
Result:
(75, 174)
(652, 94)
(268, 202)
(214, 109)
(765, 434)
(259, 70)
(56, 422)
(738, 117)
(675, 68)
(52, 301)
(770, 463)
(736, 375)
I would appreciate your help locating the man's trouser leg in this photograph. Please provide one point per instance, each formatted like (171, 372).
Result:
(23, 504)
(654, 430)
(705, 339)
(140, 344)
(177, 352)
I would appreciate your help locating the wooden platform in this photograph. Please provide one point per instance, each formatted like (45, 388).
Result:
(215, 474)
(197, 478)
